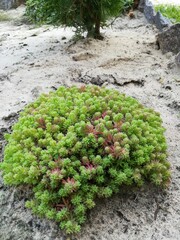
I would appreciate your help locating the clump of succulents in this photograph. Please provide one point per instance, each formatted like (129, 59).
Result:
(79, 144)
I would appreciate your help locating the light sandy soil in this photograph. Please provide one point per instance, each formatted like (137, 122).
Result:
(36, 60)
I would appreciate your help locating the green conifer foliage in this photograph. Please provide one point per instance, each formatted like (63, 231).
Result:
(84, 15)
(75, 145)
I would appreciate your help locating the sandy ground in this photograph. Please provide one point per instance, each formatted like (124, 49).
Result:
(35, 60)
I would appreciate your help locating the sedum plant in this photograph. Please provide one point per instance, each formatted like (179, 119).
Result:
(75, 145)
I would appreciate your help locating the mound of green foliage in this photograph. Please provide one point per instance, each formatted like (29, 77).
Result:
(75, 145)
(170, 11)
(83, 15)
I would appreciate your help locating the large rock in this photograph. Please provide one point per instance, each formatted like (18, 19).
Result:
(149, 11)
(161, 21)
(152, 17)
(7, 4)
(169, 40)
(141, 5)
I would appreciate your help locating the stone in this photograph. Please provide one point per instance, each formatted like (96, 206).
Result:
(161, 21)
(8, 4)
(177, 59)
(141, 5)
(169, 40)
(152, 17)
(149, 12)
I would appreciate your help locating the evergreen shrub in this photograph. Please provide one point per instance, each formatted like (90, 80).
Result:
(75, 145)
(84, 15)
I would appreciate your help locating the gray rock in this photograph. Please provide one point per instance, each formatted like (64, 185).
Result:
(141, 5)
(169, 40)
(152, 17)
(149, 12)
(161, 21)
(177, 59)
(6, 4)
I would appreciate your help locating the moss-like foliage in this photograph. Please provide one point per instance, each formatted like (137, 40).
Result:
(79, 144)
